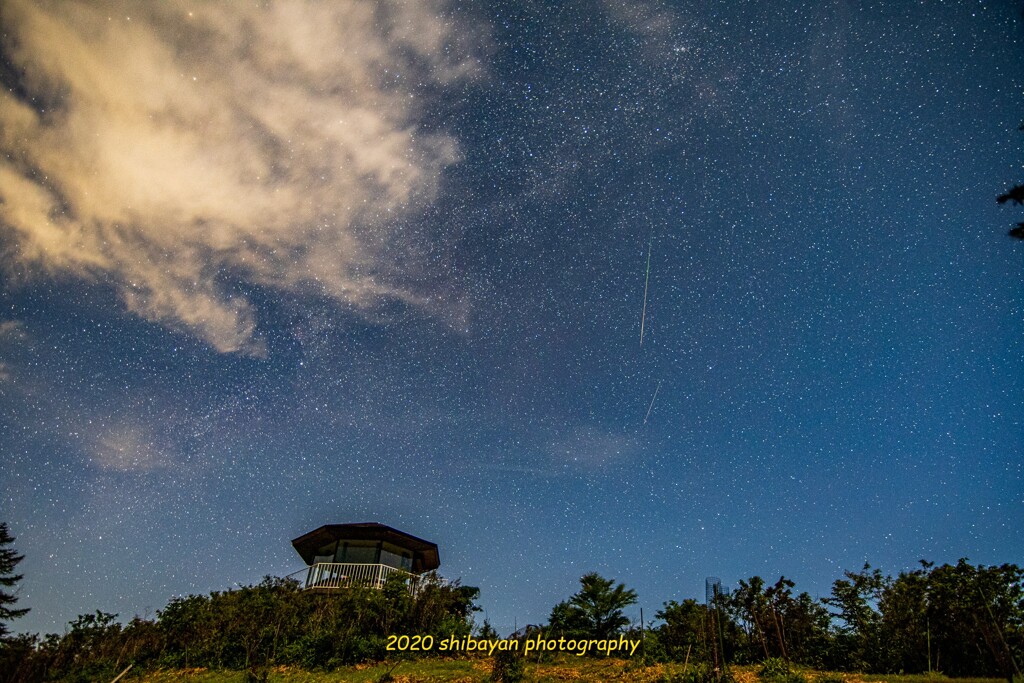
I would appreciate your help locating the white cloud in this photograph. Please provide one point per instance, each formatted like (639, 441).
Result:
(589, 446)
(126, 448)
(10, 330)
(651, 20)
(178, 150)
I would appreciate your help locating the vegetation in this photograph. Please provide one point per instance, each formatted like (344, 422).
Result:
(1016, 195)
(508, 667)
(963, 620)
(251, 629)
(569, 668)
(594, 612)
(9, 559)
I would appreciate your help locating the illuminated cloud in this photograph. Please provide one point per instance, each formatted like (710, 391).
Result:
(592, 447)
(126, 449)
(10, 331)
(652, 21)
(184, 152)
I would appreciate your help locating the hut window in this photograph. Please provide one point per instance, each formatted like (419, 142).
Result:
(356, 552)
(325, 554)
(392, 559)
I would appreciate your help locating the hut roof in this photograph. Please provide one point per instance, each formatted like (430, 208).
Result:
(425, 557)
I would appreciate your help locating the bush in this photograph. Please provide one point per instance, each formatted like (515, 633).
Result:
(777, 670)
(701, 672)
(773, 668)
(653, 651)
(249, 629)
(509, 667)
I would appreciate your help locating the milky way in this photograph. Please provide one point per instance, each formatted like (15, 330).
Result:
(274, 267)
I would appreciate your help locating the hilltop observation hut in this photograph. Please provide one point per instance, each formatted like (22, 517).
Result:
(364, 554)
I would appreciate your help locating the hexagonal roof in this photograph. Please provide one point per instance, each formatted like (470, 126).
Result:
(425, 556)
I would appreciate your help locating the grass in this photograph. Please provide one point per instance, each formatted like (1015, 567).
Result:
(922, 678)
(478, 670)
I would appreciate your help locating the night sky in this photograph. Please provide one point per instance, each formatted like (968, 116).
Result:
(269, 266)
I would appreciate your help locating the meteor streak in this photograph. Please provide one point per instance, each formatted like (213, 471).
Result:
(647, 279)
(650, 407)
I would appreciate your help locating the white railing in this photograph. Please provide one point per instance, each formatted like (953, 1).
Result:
(346, 575)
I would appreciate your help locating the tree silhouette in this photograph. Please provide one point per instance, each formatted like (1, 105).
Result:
(596, 610)
(9, 559)
(1015, 195)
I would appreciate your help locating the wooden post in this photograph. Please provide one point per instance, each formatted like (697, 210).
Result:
(120, 675)
(643, 651)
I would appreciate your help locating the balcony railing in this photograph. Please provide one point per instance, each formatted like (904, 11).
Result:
(326, 575)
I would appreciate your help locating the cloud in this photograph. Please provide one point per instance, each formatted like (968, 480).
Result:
(589, 446)
(186, 152)
(652, 21)
(126, 448)
(10, 330)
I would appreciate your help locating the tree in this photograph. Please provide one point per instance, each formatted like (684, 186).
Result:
(1016, 195)
(905, 625)
(685, 631)
(596, 611)
(976, 619)
(9, 559)
(855, 598)
(751, 606)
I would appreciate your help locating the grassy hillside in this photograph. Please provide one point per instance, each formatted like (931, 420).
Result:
(580, 670)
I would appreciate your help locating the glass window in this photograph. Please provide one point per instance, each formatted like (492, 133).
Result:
(324, 554)
(391, 559)
(395, 556)
(358, 552)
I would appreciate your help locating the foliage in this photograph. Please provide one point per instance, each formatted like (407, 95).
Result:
(962, 619)
(858, 640)
(595, 611)
(252, 629)
(684, 633)
(487, 631)
(9, 559)
(974, 617)
(509, 667)
(567, 621)
(1016, 195)
(777, 670)
(772, 668)
(652, 649)
(701, 672)
(773, 623)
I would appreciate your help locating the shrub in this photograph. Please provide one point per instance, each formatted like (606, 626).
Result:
(777, 670)
(509, 667)
(701, 672)
(773, 668)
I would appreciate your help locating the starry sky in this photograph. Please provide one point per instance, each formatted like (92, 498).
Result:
(269, 266)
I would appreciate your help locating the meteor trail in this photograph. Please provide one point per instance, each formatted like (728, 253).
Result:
(650, 407)
(647, 279)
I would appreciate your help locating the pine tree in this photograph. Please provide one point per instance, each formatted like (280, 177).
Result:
(594, 612)
(9, 559)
